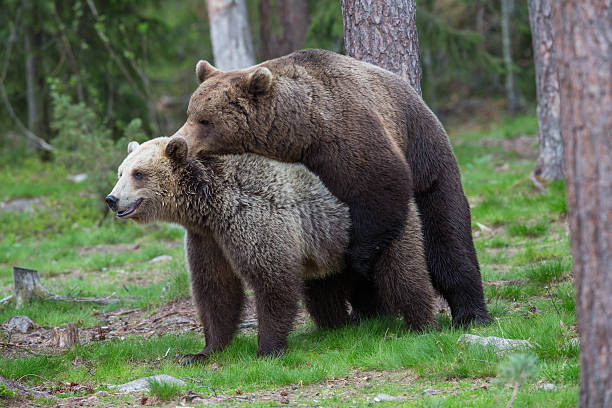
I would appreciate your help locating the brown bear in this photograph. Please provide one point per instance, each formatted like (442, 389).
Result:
(272, 225)
(373, 142)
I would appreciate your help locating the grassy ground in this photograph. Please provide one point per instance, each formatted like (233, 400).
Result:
(522, 242)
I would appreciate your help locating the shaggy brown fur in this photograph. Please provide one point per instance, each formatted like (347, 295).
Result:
(273, 225)
(371, 139)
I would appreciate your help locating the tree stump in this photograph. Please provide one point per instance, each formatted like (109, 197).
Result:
(62, 338)
(27, 286)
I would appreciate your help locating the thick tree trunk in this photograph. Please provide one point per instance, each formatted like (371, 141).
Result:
(293, 19)
(550, 160)
(385, 34)
(583, 49)
(230, 34)
(507, 11)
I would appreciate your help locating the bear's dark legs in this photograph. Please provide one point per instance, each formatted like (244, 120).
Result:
(217, 293)
(402, 281)
(276, 299)
(325, 301)
(377, 220)
(451, 257)
(364, 299)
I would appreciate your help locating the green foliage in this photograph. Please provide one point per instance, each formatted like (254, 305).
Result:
(326, 29)
(84, 144)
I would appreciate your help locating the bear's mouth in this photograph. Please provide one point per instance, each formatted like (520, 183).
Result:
(130, 209)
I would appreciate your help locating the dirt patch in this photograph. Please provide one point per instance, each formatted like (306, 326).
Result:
(174, 317)
(353, 387)
(525, 145)
(108, 248)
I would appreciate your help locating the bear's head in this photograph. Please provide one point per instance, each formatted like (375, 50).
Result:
(229, 110)
(147, 186)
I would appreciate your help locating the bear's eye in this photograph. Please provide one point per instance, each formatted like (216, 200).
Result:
(204, 122)
(137, 175)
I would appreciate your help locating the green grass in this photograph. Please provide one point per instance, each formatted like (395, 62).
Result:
(165, 391)
(548, 271)
(522, 244)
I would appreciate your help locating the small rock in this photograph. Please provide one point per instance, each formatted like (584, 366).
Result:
(498, 343)
(385, 397)
(178, 320)
(77, 178)
(548, 387)
(21, 324)
(142, 384)
(161, 258)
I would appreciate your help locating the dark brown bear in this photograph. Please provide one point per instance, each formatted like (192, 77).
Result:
(272, 225)
(369, 137)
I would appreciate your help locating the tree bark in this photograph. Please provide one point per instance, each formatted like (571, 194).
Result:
(230, 34)
(385, 34)
(293, 19)
(550, 160)
(507, 11)
(32, 66)
(583, 50)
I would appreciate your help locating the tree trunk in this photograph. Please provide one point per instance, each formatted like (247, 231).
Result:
(293, 18)
(385, 34)
(507, 11)
(550, 160)
(32, 66)
(230, 34)
(583, 50)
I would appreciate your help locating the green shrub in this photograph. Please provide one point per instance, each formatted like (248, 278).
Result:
(84, 143)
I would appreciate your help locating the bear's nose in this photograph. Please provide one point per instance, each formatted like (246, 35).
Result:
(111, 201)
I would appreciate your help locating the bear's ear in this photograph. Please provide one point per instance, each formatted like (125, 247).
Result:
(260, 81)
(132, 146)
(204, 70)
(176, 149)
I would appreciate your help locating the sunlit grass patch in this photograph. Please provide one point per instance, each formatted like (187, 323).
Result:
(548, 271)
(165, 391)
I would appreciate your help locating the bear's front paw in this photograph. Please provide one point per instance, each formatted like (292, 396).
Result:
(193, 359)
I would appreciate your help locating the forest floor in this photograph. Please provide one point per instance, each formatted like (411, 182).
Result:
(48, 223)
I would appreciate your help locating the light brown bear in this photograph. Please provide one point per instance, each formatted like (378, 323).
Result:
(272, 225)
(373, 142)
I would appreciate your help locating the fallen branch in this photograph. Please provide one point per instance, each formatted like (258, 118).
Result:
(28, 287)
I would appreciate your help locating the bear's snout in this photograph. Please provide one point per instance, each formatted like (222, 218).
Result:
(111, 201)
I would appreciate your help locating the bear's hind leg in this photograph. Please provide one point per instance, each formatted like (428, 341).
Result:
(218, 295)
(364, 299)
(451, 257)
(325, 300)
(402, 279)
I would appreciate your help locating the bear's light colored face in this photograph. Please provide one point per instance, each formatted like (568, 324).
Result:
(144, 179)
